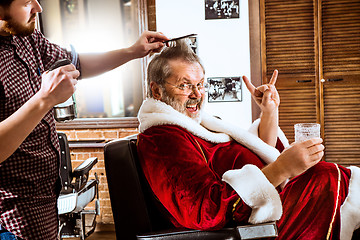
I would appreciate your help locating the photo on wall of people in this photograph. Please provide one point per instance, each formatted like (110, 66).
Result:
(225, 89)
(194, 44)
(222, 9)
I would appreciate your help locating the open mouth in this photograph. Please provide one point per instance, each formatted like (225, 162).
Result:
(192, 108)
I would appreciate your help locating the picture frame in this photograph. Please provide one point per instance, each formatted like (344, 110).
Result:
(222, 9)
(224, 89)
(193, 42)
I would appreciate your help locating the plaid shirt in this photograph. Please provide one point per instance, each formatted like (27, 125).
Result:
(29, 178)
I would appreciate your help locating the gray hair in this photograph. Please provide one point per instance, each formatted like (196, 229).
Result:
(159, 68)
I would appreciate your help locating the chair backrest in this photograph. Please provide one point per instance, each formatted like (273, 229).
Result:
(135, 209)
(65, 163)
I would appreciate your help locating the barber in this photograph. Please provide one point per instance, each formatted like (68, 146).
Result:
(29, 148)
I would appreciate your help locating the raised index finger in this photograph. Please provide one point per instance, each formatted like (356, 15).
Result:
(249, 85)
(274, 77)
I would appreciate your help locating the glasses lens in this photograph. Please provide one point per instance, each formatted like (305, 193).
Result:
(189, 88)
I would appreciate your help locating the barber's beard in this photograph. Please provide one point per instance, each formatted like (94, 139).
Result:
(182, 107)
(14, 28)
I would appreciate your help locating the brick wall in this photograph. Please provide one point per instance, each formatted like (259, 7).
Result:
(86, 150)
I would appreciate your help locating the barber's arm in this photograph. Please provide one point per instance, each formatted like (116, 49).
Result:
(57, 86)
(267, 97)
(95, 64)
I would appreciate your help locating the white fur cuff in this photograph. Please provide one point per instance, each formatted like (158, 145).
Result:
(257, 192)
(350, 209)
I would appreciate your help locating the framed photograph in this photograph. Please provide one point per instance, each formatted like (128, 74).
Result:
(225, 89)
(222, 9)
(193, 44)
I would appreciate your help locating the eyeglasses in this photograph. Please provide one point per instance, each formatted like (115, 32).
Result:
(188, 88)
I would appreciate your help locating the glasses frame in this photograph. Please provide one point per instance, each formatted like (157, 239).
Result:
(188, 88)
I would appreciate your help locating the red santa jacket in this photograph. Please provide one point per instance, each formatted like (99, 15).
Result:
(207, 173)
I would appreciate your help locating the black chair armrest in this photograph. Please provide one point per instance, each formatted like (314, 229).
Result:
(256, 231)
(188, 234)
(253, 231)
(84, 167)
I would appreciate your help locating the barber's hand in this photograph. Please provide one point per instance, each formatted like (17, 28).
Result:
(300, 156)
(148, 42)
(58, 85)
(266, 96)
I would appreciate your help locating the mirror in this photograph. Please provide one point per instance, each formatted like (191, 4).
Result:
(97, 26)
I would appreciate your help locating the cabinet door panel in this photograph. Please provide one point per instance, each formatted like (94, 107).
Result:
(297, 106)
(342, 122)
(340, 22)
(311, 40)
(289, 45)
(288, 38)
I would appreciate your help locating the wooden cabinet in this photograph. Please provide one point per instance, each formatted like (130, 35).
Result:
(315, 45)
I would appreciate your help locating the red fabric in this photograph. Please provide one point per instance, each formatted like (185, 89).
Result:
(309, 203)
(190, 187)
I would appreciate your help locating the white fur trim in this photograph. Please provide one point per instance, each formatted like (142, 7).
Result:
(154, 113)
(257, 192)
(350, 209)
(254, 129)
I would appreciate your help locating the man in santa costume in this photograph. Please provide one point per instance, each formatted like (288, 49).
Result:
(208, 173)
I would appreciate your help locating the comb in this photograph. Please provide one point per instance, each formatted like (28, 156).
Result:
(178, 38)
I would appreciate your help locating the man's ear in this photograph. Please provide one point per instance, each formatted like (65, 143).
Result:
(156, 90)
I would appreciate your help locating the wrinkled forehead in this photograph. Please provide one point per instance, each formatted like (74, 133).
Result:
(182, 61)
(186, 71)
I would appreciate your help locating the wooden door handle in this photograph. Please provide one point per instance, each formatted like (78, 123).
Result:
(335, 79)
(303, 81)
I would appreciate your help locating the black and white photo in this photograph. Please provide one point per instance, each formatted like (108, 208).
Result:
(225, 89)
(193, 44)
(222, 9)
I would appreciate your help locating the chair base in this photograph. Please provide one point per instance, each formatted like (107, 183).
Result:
(78, 225)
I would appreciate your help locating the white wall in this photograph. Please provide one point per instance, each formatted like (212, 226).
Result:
(223, 46)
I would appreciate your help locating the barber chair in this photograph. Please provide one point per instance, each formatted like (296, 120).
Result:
(137, 213)
(76, 193)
